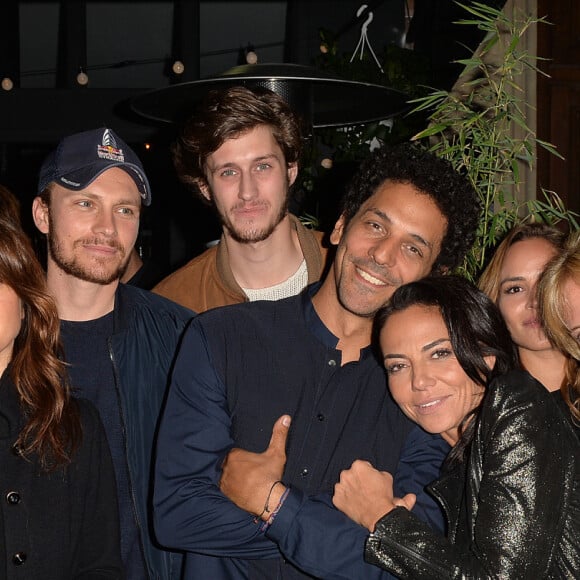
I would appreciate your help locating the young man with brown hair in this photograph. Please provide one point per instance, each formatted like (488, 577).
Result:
(240, 151)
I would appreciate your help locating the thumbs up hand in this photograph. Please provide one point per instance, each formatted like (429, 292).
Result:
(248, 478)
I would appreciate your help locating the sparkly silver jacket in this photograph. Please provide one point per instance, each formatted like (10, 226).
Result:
(512, 507)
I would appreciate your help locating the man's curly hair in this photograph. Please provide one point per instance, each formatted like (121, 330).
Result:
(227, 114)
(432, 176)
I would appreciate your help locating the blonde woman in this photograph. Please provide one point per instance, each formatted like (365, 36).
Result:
(559, 302)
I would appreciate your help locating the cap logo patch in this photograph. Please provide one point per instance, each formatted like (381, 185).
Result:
(109, 150)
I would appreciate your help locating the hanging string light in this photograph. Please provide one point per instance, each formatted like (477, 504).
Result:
(147, 61)
(251, 57)
(82, 78)
(178, 67)
(251, 54)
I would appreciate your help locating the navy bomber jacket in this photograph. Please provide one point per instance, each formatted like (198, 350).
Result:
(147, 331)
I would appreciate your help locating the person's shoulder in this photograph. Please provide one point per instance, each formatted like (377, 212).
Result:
(311, 240)
(261, 311)
(155, 303)
(516, 391)
(320, 239)
(306, 230)
(517, 384)
(185, 272)
(320, 236)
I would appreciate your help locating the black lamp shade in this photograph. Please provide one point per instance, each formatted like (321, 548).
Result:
(322, 100)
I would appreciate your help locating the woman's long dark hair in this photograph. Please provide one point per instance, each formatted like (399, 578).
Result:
(52, 429)
(476, 330)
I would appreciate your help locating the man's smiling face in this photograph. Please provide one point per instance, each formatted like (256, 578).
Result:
(394, 238)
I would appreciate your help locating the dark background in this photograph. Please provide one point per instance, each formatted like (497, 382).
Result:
(127, 48)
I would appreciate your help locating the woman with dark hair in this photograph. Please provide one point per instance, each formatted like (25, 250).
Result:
(510, 485)
(58, 517)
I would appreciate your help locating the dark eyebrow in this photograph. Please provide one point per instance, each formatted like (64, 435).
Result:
(420, 240)
(512, 279)
(394, 355)
(99, 197)
(233, 164)
(220, 166)
(435, 343)
(381, 214)
(423, 349)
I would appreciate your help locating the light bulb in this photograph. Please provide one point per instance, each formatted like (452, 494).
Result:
(7, 84)
(251, 57)
(326, 163)
(178, 67)
(82, 78)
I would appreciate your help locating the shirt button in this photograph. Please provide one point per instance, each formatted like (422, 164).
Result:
(320, 417)
(304, 472)
(331, 363)
(13, 498)
(19, 558)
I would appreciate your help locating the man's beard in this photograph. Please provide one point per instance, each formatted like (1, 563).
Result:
(97, 274)
(346, 289)
(251, 236)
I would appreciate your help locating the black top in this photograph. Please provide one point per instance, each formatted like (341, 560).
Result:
(91, 375)
(60, 524)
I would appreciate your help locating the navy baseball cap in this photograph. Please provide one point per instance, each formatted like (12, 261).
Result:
(80, 158)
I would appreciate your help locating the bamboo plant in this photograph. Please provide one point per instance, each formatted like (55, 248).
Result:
(472, 126)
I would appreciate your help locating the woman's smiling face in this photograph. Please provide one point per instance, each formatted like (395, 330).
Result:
(425, 378)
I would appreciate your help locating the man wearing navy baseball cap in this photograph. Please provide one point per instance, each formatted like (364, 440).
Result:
(80, 158)
(119, 340)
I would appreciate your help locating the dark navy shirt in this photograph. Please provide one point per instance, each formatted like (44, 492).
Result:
(91, 375)
(239, 368)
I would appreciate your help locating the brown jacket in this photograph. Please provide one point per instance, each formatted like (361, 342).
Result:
(207, 281)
